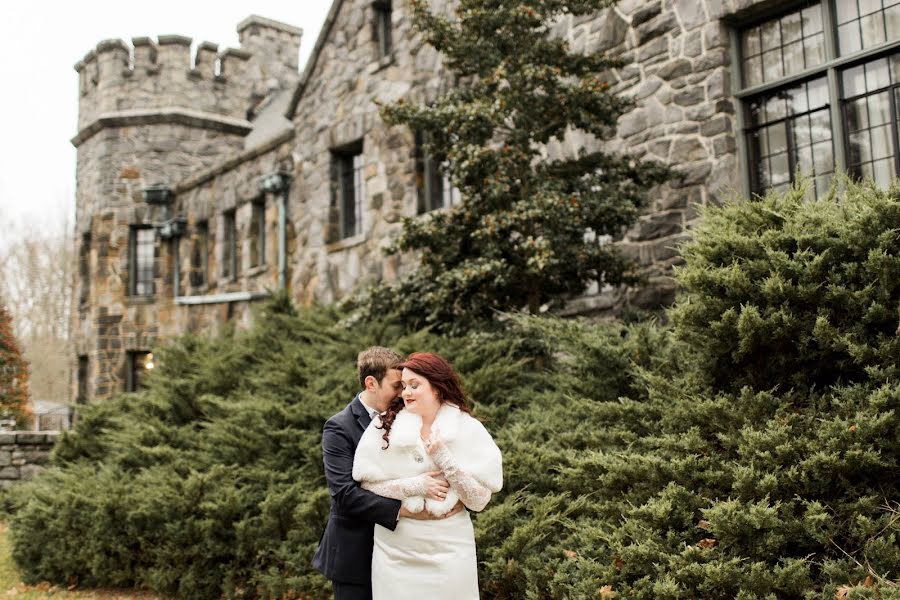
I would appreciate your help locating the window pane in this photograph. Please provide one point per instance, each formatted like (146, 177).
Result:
(846, 10)
(814, 48)
(860, 149)
(895, 67)
(797, 100)
(818, 93)
(868, 6)
(823, 157)
(854, 81)
(879, 108)
(892, 22)
(877, 75)
(781, 171)
(777, 138)
(857, 116)
(883, 172)
(804, 160)
(771, 35)
(790, 28)
(821, 125)
(776, 107)
(801, 131)
(872, 29)
(812, 20)
(772, 67)
(750, 42)
(881, 142)
(793, 58)
(848, 35)
(753, 72)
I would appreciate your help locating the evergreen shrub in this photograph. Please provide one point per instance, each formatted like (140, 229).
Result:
(748, 451)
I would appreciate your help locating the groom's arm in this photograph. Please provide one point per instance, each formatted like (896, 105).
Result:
(349, 498)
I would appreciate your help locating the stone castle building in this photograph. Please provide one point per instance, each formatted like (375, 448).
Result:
(207, 179)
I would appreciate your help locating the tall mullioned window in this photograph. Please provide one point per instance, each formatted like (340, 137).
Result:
(383, 27)
(810, 107)
(258, 233)
(141, 261)
(199, 274)
(229, 245)
(348, 192)
(84, 269)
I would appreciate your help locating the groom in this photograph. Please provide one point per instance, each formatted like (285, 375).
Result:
(344, 554)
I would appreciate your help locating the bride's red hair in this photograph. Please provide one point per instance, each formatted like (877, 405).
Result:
(443, 379)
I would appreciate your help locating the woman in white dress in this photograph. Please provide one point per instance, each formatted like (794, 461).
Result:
(428, 451)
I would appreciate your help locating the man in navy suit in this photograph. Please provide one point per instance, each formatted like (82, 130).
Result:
(344, 554)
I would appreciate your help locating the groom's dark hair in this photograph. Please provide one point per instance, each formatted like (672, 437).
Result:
(375, 361)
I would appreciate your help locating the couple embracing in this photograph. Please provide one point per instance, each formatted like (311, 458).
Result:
(405, 461)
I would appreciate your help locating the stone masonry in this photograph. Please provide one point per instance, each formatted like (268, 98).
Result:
(22, 454)
(212, 126)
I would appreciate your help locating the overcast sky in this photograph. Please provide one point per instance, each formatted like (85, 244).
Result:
(41, 40)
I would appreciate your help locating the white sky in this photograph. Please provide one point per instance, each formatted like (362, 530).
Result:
(41, 40)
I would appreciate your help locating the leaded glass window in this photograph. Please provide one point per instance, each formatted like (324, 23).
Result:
(871, 113)
(348, 191)
(434, 188)
(790, 134)
(866, 23)
(785, 46)
(141, 261)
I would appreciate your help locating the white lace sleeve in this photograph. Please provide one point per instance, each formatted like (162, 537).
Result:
(474, 494)
(398, 489)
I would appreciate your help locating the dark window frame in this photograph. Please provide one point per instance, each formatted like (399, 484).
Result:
(83, 373)
(230, 265)
(383, 28)
(199, 274)
(84, 269)
(348, 192)
(832, 68)
(134, 370)
(258, 232)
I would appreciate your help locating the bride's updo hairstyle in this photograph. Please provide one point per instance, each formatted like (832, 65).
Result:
(442, 378)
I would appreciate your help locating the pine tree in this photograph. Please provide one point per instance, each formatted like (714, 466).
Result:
(13, 373)
(530, 229)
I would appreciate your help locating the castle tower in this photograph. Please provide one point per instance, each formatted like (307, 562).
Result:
(151, 113)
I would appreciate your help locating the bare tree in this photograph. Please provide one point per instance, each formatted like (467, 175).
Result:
(36, 264)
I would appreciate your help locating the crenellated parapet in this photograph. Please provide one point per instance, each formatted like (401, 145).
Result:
(164, 75)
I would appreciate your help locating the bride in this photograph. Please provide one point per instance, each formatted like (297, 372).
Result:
(429, 452)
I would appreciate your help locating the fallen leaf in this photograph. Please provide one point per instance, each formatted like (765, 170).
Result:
(842, 591)
(708, 543)
(703, 524)
(868, 582)
(852, 427)
(606, 592)
(618, 562)
(570, 553)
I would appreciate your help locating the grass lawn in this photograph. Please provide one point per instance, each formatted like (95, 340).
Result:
(11, 582)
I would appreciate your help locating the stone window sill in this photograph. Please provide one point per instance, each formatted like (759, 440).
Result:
(345, 243)
(139, 300)
(382, 63)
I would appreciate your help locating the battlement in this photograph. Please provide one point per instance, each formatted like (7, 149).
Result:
(164, 74)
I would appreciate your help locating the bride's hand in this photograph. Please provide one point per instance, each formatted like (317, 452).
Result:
(436, 486)
(433, 442)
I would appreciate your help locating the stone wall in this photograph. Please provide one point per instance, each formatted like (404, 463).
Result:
(678, 73)
(22, 454)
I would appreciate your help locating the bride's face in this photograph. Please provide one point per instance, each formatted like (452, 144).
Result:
(418, 395)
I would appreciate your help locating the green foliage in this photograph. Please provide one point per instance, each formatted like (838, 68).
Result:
(518, 237)
(644, 462)
(13, 374)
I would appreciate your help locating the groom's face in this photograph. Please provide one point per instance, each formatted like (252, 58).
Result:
(389, 389)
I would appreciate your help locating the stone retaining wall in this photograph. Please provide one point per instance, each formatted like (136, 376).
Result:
(24, 453)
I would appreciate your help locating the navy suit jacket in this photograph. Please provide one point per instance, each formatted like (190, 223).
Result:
(345, 550)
